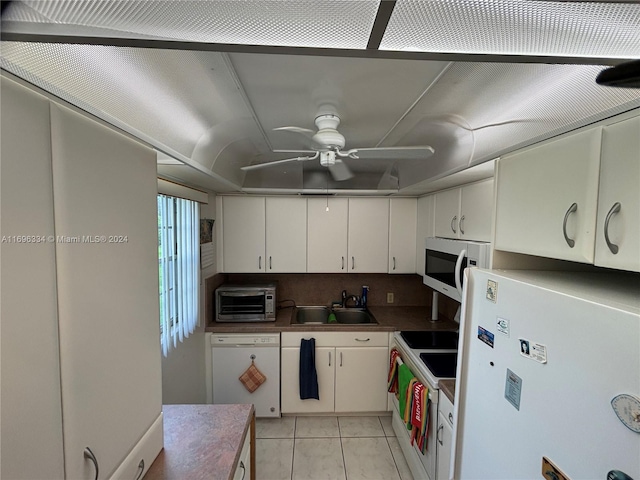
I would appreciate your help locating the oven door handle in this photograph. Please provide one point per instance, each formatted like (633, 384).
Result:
(457, 272)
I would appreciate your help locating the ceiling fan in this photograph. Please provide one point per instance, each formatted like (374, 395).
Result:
(328, 143)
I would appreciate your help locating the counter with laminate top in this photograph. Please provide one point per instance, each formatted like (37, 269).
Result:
(389, 319)
(448, 387)
(203, 441)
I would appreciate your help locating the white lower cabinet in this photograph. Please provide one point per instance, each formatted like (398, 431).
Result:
(243, 471)
(351, 368)
(289, 381)
(444, 438)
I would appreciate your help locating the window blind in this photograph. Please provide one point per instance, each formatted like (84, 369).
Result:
(178, 263)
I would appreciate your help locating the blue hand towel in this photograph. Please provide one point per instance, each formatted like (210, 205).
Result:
(308, 374)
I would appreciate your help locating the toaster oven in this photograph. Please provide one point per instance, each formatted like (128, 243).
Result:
(245, 303)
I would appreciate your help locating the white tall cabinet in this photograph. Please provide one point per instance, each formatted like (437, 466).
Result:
(31, 413)
(85, 328)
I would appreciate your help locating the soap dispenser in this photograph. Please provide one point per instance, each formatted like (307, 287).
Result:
(363, 298)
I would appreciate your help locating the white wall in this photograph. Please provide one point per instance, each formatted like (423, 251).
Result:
(185, 369)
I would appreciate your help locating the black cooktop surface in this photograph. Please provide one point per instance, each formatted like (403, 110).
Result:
(442, 365)
(431, 340)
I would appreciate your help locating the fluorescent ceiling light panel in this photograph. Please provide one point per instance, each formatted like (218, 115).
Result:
(516, 27)
(293, 23)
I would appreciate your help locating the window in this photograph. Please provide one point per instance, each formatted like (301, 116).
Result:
(178, 263)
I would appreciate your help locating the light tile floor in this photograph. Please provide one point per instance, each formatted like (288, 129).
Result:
(331, 448)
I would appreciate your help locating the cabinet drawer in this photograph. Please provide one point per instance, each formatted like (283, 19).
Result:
(445, 407)
(361, 338)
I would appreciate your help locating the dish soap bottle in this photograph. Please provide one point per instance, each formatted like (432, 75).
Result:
(363, 298)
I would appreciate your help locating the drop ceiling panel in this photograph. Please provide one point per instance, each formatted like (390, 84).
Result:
(174, 99)
(516, 27)
(299, 23)
(369, 95)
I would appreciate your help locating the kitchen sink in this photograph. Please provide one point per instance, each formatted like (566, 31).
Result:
(319, 315)
(311, 315)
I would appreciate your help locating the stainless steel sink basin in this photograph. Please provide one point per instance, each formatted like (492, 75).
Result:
(311, 315)
(353, 316)
(318, 315)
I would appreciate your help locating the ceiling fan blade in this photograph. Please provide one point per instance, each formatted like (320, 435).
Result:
(312, 152)
(340, 171)
(395, 153)
(389, 179)
(306, 133)
(276, 162)
(295, 129)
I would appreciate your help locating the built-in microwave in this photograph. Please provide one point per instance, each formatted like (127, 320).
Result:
(445, 261)
(245, 303)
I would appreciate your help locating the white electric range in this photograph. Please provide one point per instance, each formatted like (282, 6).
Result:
(431, 356)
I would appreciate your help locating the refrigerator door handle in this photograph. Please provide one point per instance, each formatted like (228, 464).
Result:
(463, 254)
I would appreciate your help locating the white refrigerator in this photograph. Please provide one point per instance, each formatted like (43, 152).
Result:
(542, 357)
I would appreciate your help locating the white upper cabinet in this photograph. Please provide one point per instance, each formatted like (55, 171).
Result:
(465, 212)
(618, 222)
(547, 198)
(327, 235)
(243, 233)
(476, 211)
(447, 207)
(264, 234)
(286, 234)
(402, 235)
(424, 229)
(368, 235)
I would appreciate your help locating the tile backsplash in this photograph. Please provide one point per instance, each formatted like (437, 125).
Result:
(322, 289)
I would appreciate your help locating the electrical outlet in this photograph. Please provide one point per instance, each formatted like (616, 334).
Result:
(390, 297)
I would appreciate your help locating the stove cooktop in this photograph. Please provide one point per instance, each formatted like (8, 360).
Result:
(432, 340)
(441, 365)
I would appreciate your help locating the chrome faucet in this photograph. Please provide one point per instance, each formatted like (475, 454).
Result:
(346, 298)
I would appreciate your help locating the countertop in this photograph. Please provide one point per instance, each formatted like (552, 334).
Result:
(202, 441)
(389, 319)
(448, 387)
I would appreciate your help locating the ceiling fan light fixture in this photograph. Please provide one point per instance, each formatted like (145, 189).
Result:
(328, 158)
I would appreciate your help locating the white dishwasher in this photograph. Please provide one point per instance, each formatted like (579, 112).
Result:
(231, 355)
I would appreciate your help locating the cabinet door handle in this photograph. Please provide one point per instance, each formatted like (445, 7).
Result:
(260, 262)
(329, 358)
(342, 263)
(340, 358)
(615, 209)
(440, 429)
(88, 454)
(353, 263)
(141, 469)
(362, 339)
(244, 470)
(270, 266)
(451, 417)
(461, 225)
(573, 208)
(394, 263)
(453, 224)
